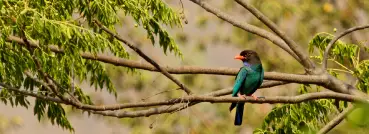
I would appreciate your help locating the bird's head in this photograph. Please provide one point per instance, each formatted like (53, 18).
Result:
(248, 56)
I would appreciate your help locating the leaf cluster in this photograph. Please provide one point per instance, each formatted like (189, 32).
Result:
(69, 25)
(308, 117)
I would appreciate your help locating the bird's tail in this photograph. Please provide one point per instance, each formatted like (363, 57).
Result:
(239, 114)
(233, 105)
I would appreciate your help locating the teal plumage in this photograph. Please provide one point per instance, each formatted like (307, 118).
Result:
(248, 80)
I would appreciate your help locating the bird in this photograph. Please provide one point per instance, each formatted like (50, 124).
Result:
(249, 78)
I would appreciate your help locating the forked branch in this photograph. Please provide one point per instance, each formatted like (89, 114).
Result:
(247, 27)
(113, 107)
(331, 43)
(147, 58)
(306, 62)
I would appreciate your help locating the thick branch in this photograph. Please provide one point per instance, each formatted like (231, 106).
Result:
(147, 58)
(117, 106)
(247, 27)
(270, 100)
(328, 48)
(112, 107)
(307, 63)
(313, 79)
(150, 104)
(210, 97)
(333, 123)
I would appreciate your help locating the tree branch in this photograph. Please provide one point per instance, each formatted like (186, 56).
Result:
(117, 106)
(24, 92)
(331, 43)
(247, 27)
(312, 79)
(197, 99)
(50, 86)
(337, 120)
(306, 62)
(147, 58)
(210, 97)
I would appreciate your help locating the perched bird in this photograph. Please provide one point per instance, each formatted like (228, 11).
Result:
(248, 79)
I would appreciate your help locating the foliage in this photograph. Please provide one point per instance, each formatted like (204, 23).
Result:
(10, 123)
(308, 117)
(83, 35)
(55, 23)
(305, 117)
(346, 56)
(359, 116)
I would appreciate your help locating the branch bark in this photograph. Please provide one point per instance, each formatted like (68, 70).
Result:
(24, 92)
(192, 100)
(121, 106)
(147, 58)
(305, 61)
(247, 27)
(333, 123)
(197, 99)
(331, 43)
(117, 106)
(313, 79)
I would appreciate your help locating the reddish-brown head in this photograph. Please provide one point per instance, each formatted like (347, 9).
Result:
(249, 56)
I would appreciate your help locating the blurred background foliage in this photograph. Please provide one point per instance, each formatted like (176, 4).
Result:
(210, 42)
(10, 124)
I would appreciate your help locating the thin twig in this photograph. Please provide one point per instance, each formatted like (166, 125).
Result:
(341, 65)
(147, 58)
(306, 62)
(24, 92)
(333, 123)
(328, 48)
(182, 12)
(165, 91)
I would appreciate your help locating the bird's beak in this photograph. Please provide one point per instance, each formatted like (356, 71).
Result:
(239, 57)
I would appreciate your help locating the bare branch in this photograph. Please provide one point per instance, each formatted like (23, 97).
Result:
(197, 99)
(337, 120)
(247, 27)
(306, 62)
(313, 79)
(210, 97)
(112, 107)
(268, 84)
(328, 48)
(147, 58)
(24, 92)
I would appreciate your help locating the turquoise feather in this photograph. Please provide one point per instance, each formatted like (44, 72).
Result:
(248, 80)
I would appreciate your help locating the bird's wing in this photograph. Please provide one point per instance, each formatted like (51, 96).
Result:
(261, 76)
(240, 79)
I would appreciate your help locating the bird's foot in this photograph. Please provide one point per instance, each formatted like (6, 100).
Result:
(255, 98)
(241, 96)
